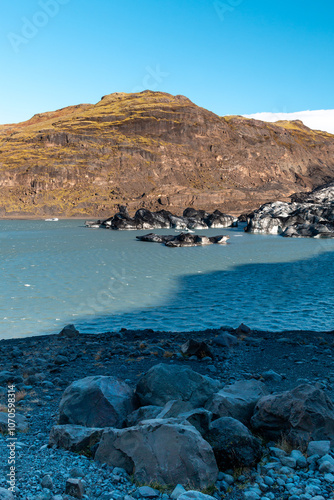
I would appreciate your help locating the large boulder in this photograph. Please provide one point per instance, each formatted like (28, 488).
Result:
(302, 414)
(75, 438)
(237, 400)
(199, 418)
(164, 382)
(96, 402)
(160, 451)
(233, 444)
(183, 412)
(143, 413)
(174, 407)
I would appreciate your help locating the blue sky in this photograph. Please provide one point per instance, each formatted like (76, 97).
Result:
(230, 56)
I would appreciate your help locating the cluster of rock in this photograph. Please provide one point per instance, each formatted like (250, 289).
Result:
(163, 219)
(180, 427)
(294, 475)
(183, 239)
(308, 215)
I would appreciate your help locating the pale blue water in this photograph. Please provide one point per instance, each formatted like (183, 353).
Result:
(54, 273)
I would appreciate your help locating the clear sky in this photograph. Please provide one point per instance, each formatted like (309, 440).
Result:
(230, 56)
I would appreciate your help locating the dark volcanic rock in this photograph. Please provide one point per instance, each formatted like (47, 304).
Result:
(96, 402)
(195, 348)
(159, 451)
(143, 413)
(74, 437)
(163, 383)
(69, 331)
(237, 400)
(302, 414)
(233, 444)
(308, 215)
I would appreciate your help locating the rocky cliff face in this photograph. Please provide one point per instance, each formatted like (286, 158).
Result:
(154, 150)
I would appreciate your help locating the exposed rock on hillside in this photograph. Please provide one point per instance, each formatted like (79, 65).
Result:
(151, 150)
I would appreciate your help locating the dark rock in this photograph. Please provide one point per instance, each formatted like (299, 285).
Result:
(173, 408)
(272, 376)
(199, 418)
(233, 444)
(74, 438)
(225, 340)
(143, 413)
(147, 492)
(237, 400)
(243, 329)
(195, 348)
(302, 414)
(77, 472)
(163, 383)
(47, 482)
(96, 402)
(167, 453)
(69, 331)
(75, 488)
(61, 360)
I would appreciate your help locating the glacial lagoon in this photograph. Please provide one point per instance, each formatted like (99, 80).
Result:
(55, 273)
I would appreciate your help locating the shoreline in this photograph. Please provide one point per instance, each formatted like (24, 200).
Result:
(183, 333)
(33, 217)
(234, 213)
(44, 366)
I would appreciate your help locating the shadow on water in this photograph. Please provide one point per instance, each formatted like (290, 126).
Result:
(268, 296)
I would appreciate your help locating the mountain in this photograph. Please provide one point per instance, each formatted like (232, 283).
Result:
(153, 150)
(321, 119)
